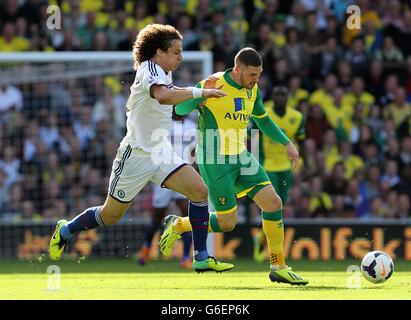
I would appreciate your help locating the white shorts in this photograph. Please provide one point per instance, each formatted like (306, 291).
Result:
(133, 168)
(162, 196)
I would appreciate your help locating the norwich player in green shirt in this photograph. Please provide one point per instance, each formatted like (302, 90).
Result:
(228, 169)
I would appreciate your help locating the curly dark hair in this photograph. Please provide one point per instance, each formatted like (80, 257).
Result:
(151, 38)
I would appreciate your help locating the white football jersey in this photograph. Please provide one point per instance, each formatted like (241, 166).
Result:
(148, 121)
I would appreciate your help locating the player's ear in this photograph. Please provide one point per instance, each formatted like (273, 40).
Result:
(159, 52)
(237, 69)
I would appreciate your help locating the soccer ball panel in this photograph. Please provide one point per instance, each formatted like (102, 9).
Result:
(377, 266)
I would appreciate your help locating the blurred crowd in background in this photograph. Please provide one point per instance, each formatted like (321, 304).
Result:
(352, 85)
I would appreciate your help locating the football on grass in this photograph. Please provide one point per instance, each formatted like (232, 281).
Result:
(377, 266)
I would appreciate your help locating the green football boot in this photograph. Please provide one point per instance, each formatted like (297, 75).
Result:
(287, 276)
(57, 243)
(169, 236)
(211, 264)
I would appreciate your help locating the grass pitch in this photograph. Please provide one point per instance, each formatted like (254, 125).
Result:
(164, 280)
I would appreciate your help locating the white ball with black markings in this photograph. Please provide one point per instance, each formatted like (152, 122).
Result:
(377, 266)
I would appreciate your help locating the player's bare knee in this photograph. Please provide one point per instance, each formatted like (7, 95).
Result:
(228, 227)
(198, 193)
(272, 205)
(109, 218)
(228, 224)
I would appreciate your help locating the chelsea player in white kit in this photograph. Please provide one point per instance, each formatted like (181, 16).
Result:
(183, 136)
(145, 154)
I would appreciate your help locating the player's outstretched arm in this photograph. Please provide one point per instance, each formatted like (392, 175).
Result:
(188, 106)
(173, 96)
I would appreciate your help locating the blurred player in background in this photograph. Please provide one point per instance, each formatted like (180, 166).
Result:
(228, 169)
(273, 155)
(183, 138)
(145, 154)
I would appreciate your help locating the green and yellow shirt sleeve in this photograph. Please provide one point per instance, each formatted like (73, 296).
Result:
(265, 124)
(189, 105)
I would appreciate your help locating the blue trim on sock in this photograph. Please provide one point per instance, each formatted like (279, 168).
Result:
(65, 233)
(202, 255)
(85, 221)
